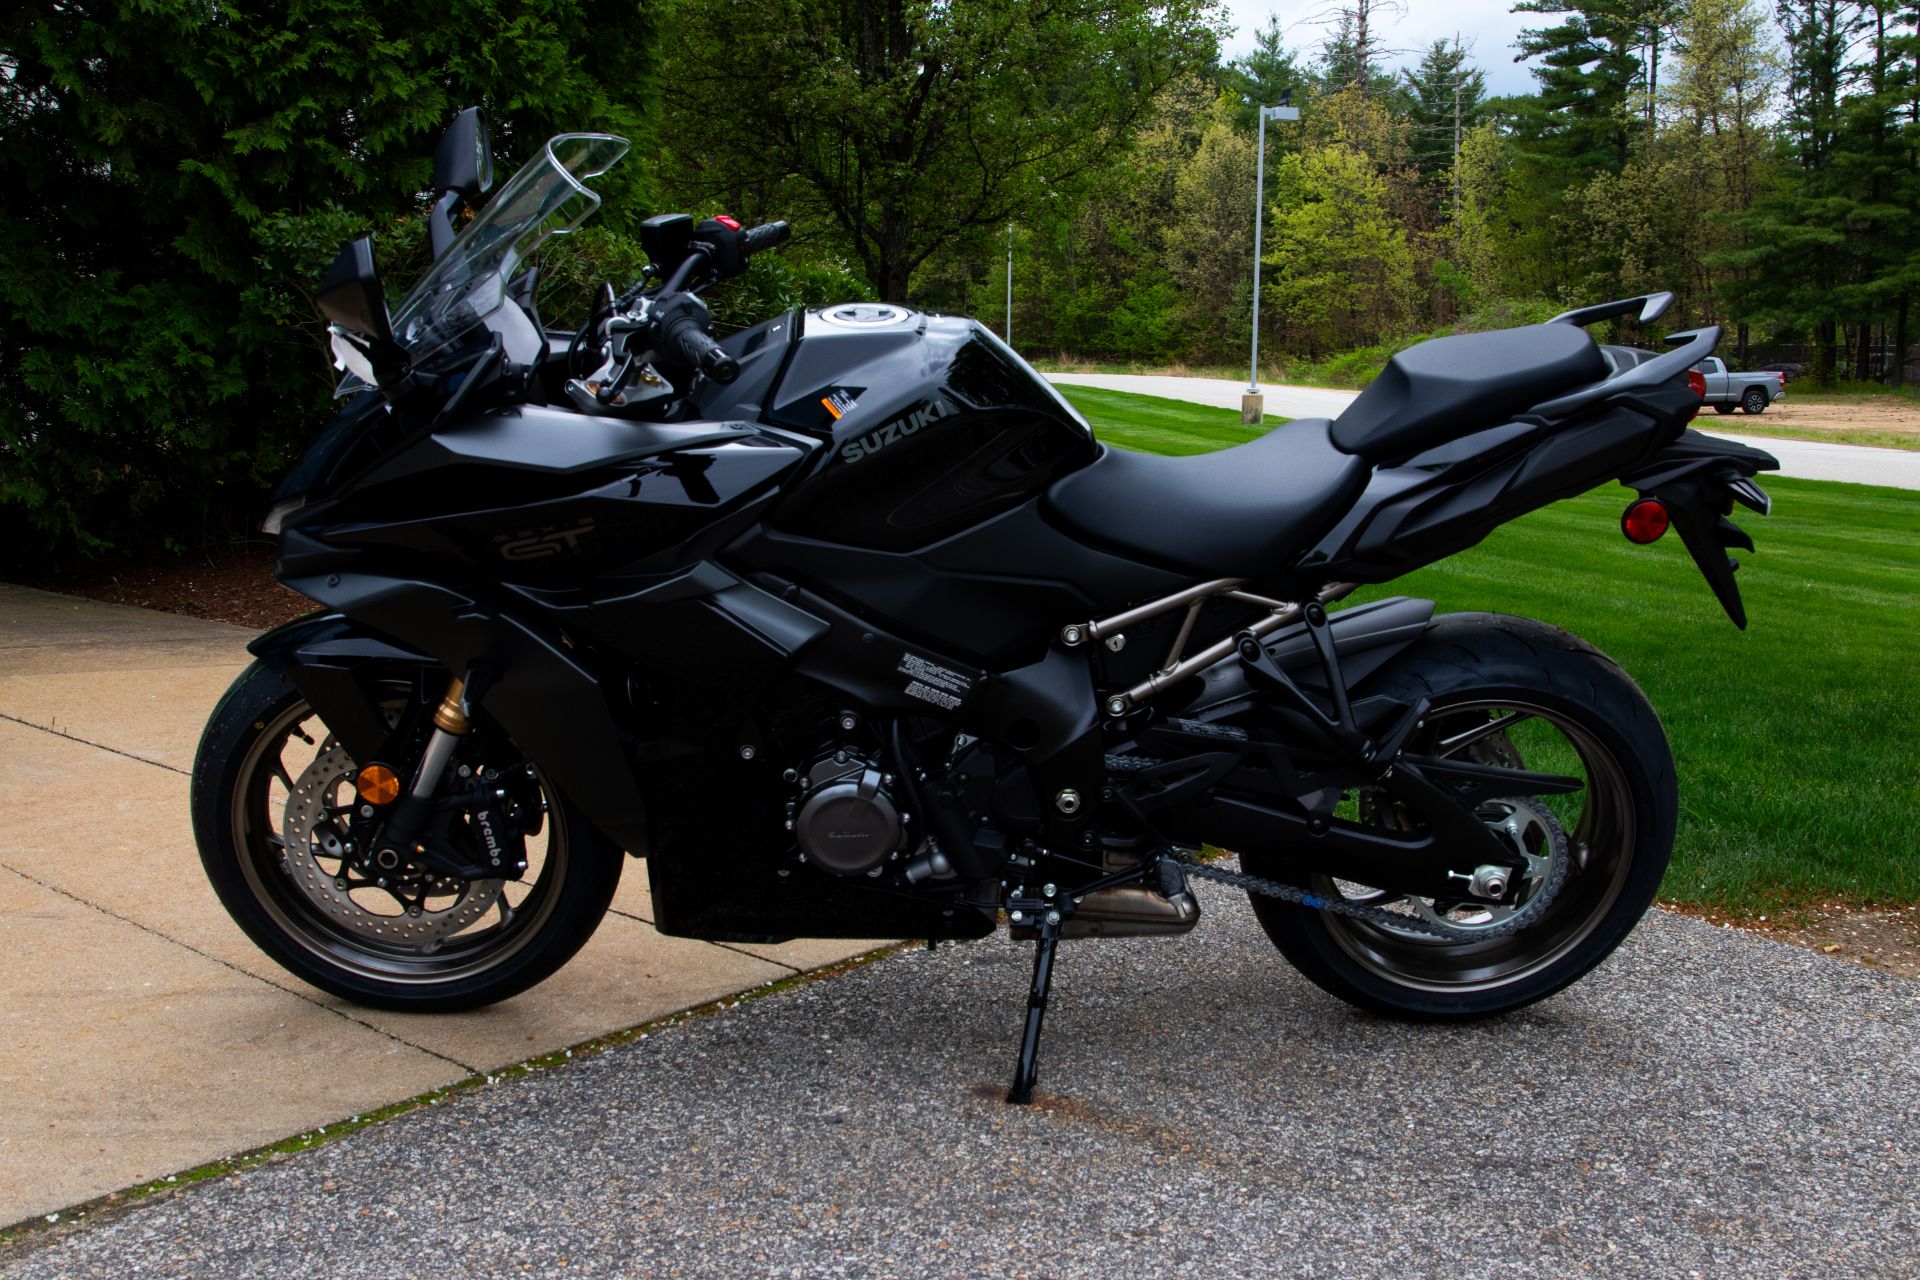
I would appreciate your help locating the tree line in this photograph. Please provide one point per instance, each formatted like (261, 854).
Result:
(174, 177)
(1762, 163)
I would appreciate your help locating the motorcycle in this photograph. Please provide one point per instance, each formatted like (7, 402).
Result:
(850, 627)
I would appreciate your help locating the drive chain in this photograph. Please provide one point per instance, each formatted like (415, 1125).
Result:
(1339, 906)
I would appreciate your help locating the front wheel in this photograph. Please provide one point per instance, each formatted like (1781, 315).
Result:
(274, 815)
(1508, 693)
(1725, 408)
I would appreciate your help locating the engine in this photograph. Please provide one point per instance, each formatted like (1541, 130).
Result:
(846, 820)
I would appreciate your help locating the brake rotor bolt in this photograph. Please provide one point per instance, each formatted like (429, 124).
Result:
(340, 884)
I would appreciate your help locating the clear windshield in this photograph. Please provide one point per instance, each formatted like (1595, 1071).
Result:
(548, 197)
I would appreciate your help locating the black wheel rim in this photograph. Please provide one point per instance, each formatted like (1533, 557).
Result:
(266, 780)
(1601, 823)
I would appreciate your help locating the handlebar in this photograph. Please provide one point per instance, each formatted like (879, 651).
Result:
(693, 345)
(770, 235)
(682, 321)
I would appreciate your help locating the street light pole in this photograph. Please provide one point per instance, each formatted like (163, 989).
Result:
(1009, 284)
(1252, 404)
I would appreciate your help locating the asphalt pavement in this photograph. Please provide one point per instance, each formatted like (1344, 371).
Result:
(1708, 1104)
(1806, 459)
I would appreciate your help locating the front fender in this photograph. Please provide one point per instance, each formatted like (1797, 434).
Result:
(327, 656)
(553, 706)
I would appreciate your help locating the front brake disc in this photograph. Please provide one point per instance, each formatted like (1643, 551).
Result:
(311, 836)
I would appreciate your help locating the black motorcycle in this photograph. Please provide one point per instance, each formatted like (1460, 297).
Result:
(851, 628)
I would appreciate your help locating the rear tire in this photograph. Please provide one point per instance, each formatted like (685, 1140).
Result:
(240, 789)
(1621, 835)
(1754, 401)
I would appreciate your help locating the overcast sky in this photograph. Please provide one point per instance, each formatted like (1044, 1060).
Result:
(1484, 26)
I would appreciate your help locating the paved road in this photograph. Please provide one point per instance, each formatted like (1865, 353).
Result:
(140, 1031)
(1710, 1104)
(1808, 459)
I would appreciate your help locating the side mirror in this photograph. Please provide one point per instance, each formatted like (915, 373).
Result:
(462, 172)
(464, 160)
(349, 295)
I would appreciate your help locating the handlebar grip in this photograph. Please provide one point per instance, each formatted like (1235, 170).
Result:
(686, 339)
(767, 236)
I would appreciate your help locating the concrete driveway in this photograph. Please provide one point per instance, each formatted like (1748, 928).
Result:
(1808, 459)
(1707, 1104)
(141, 1033)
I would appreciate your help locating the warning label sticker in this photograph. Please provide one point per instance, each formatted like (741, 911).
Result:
(930, 682)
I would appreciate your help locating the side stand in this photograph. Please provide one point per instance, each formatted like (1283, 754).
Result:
(1027, 1070)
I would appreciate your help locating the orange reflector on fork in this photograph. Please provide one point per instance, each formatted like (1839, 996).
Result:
(377, 784)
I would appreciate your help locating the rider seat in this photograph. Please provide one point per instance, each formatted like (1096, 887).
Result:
(1451, 387)
(1235, 513)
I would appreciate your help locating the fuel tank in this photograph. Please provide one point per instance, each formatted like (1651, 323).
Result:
(933, 425)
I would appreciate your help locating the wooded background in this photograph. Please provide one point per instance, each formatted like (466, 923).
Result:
(175, 175)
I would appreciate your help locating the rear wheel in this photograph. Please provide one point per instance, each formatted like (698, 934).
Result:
(1509, 693)
(272, 800)
(1754, 401)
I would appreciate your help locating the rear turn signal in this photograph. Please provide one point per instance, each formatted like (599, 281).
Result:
(378, 784)
(1644, 520)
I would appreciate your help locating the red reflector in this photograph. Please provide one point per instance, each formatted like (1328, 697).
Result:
(1697, 383)
(728, 221)
(1644, 520)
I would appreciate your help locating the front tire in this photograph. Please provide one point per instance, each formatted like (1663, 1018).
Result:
(1725, 408)
(1582, 715)
(265, 756)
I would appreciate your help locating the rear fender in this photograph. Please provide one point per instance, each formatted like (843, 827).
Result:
(1698, 478)
(1365, 636)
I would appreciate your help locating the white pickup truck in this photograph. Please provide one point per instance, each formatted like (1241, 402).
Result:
(1727, 390)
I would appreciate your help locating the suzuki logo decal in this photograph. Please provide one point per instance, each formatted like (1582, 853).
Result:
(899, 429)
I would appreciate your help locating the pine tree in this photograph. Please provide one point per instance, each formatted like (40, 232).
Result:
(1581, 121)
(1444, 99)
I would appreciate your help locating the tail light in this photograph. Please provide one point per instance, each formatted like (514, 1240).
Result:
(1645, 519)
(1697, 383)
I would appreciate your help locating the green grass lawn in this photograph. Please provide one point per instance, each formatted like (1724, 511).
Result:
(1797, 740)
